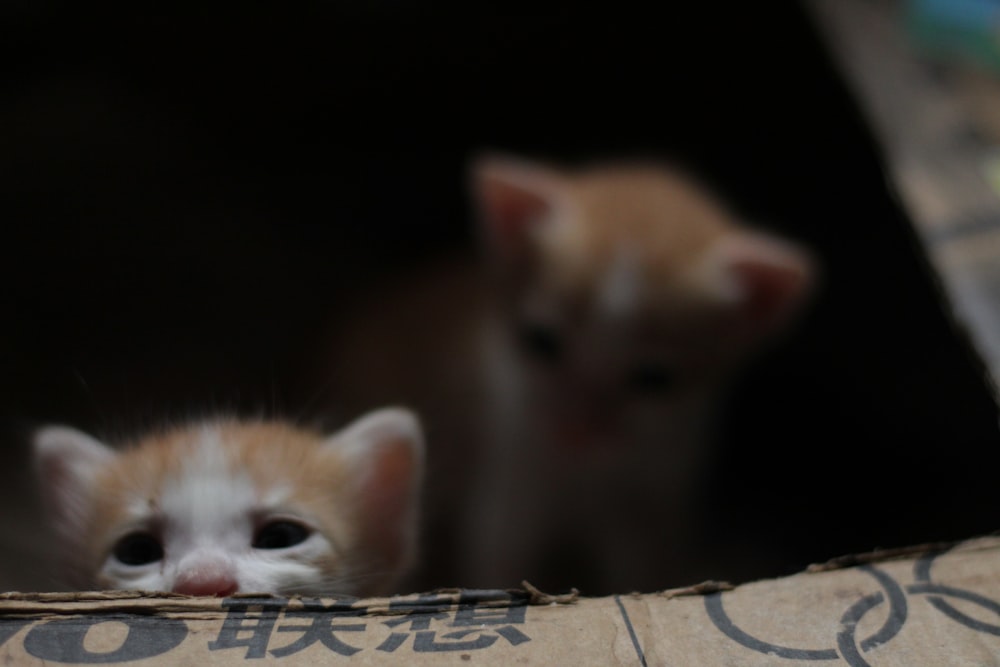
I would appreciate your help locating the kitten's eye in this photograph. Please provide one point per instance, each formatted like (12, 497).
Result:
(280, 535)
(138, 549)
(651, 378)
(541, 341)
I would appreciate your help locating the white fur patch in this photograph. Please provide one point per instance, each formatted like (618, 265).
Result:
(207, 499)
(620, 288)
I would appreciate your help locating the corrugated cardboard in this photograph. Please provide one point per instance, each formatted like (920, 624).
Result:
(937, 122)
(934, 605)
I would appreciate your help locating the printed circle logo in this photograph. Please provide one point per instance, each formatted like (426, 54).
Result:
(846, 644)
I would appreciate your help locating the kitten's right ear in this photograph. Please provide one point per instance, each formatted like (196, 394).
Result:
(513, 198)
(762, 278)
(384, 451)
(68, 462)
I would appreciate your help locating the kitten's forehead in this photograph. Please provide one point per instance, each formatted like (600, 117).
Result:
(231, 467)
(212, 448)
(670, 216)
(628, 234)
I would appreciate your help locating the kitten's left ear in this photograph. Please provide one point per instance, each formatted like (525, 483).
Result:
(513, 198)
(766, 279)
(68, 463)
(385, 454)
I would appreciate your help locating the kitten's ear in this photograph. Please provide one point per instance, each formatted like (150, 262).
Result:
(766, 279)
(385, 454)
(68, 462)
(513, 197)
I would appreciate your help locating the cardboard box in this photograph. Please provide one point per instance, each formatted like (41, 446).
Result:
(930, 605)
(937, 122)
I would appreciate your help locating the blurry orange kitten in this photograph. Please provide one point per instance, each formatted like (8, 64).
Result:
(220, 507)
(568, 383)
(628, 295)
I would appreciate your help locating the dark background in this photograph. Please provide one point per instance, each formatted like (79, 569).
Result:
(186, 195)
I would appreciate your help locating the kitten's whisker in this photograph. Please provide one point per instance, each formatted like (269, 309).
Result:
(310, 403)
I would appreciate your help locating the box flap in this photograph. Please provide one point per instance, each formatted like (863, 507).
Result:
(927, 605)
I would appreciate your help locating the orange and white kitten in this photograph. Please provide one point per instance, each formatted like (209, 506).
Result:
(628, 295)
(568, 383)
(226, 506)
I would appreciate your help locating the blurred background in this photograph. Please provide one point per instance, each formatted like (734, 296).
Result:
(190, 196)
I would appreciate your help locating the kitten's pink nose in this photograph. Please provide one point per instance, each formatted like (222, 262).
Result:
(206, 580)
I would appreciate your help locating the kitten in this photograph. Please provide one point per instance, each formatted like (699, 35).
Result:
(568, 382)
(632, 295)
(226, 506)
